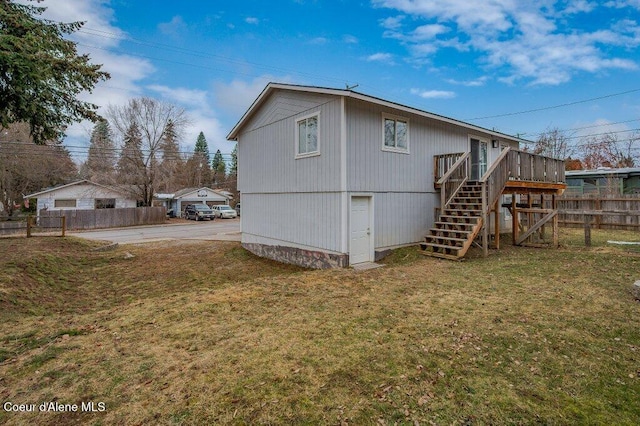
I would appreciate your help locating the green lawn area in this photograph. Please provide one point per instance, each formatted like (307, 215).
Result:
(206, 333)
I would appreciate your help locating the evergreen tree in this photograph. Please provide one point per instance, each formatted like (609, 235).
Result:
(100, 164)
(41, 73)
(200, 162)
(232, 180)
(171, 165)
(234, 161)
(202, 147)
(219, 168)
(131, 163)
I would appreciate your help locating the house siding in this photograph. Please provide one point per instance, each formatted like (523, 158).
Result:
(267, 149)
(401, 218)
(306, 220)
(370, 168)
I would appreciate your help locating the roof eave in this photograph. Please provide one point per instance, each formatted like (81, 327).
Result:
(233, 135)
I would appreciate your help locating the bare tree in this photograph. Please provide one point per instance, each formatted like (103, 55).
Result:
(26, 168)
(151, 117)
(609, 151)
(554, 143)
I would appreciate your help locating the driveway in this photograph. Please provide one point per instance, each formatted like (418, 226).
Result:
(219, 229)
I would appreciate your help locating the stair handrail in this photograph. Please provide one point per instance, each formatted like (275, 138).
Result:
(493, 183)
(453, 180)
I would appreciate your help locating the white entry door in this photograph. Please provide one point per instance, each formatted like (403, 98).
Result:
(361, 235)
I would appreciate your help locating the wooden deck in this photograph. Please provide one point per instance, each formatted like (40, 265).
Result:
(514, 172)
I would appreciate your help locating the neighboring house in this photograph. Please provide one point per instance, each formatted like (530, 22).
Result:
(178, 201)
(82, 195)
(604, 181)
(333, 177)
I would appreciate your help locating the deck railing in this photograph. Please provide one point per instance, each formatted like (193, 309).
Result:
(455, 176)
(453, 170)
(535, 168)
(443, 163)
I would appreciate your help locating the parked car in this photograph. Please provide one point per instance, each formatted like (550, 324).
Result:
(225, 212)
(198, 212)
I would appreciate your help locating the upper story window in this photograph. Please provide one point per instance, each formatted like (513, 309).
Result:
(308, 136)
(395, 133)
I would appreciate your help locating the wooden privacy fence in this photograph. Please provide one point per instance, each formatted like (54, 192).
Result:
(607, 212)
(104, 218)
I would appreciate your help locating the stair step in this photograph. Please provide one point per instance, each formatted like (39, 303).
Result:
(465, 224)
(444, 216)
(441, 255)
(438, 237)
(442, 246)
(457, 232)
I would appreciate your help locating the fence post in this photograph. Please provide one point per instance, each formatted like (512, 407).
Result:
(29, 226)
(64, 225)
(587, 230)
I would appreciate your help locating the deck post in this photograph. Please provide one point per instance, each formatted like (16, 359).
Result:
(514, 219)
(554, 206)
(496, 228)
(485, 220)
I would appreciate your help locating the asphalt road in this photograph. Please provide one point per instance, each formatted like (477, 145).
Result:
(219, 229)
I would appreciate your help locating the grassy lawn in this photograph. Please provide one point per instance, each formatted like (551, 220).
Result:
(205, 333)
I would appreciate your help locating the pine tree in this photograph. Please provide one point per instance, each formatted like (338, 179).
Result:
(131, 165)
(219, 168)
(200, 162)
(100, 164)
(41, 73)
(234, 161)
(171, 165)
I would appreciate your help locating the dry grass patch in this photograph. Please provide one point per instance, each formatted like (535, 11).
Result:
(524, 336)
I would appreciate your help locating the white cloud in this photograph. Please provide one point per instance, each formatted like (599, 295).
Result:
(392, 23)
(318, 41)
(433, 94)
(349, 39)
(481, 81)
(172, 27)
(534, 41)
(428, 32)
(235, 97)
(252, 20)
(380, 57)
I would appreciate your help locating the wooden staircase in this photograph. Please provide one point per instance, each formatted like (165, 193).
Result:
(458, 224)
(467, 205)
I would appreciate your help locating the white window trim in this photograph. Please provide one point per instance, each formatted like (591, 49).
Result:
(396, 149)
(297, 136)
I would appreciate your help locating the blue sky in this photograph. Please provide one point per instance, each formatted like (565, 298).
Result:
(463, 59)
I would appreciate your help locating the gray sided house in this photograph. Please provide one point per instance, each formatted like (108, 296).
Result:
(82, 195)
(331, 178)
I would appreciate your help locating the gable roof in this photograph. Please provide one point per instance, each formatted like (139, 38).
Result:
(78, 182)
(271, 87)
(187, 191)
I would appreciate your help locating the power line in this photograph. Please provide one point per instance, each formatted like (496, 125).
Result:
(555, 106)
